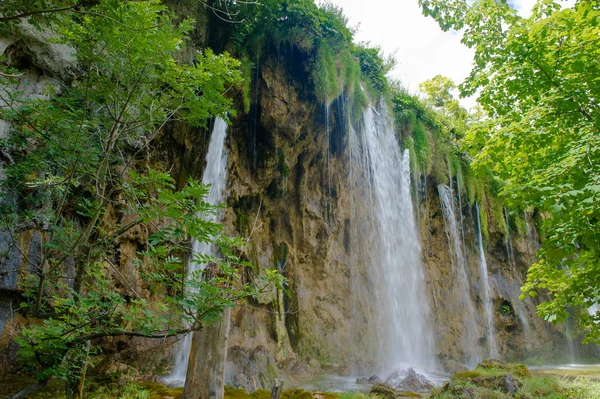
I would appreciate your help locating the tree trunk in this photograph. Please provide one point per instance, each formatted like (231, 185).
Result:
(277, 389)
(206, 369)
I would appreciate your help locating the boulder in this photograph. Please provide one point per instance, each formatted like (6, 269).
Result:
(409, 381)
(383, 390)
(374, 379)
(503, 383)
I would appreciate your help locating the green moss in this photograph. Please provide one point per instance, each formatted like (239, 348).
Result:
(158, 391)
(236, 393)
(465, 375)
(246, 68)
(282, 167)
(325, 74)
(408, 394)
(520, 224)
(261, 394)
(422, 145)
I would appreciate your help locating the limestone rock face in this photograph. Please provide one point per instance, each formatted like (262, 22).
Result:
(518, 332)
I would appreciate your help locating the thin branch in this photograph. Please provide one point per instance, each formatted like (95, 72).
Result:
(7, 75)
(37, 12)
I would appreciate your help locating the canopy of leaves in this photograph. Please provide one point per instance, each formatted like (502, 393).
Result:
(74, 155)
(537, 78)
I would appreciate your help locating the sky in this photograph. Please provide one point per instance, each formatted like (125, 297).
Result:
(421, 48)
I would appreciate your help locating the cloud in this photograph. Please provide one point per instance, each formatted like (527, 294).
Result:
(422, 49)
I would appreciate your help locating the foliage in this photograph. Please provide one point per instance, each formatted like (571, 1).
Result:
(374, 66)
(537, 79)
(321, 34)
(74, 156)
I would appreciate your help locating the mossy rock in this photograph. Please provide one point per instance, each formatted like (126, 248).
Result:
(520, 370)
(388, 392)
(466, 375)
(492, 364)
(408, 394)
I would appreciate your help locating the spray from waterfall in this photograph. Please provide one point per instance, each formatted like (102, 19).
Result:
(460, 275)
(381, 175)
(487, 300)
(215, 174)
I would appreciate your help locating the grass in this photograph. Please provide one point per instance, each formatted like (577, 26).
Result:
(487, 381)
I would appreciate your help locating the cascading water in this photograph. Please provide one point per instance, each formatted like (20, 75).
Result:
(509, 246)
(487, 300)
(459, 267)
(215, 174)
(381, 174)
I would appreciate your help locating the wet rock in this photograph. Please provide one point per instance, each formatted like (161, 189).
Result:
(383, 390)
(415, 382)
(374, 379)
(410, 381)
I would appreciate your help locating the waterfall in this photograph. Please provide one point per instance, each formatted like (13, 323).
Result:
(509, 247)
(389, 244)
(215, 174)
(461, 279)
(487, 300)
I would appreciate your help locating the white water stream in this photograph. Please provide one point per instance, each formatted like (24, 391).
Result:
(487, 300)
(460, 276)
(215, 174)
(394, 254)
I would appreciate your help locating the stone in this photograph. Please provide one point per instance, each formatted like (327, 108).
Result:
(383, 390)
(409, 380)
(510, 385)
(415, 382)
(387, 392)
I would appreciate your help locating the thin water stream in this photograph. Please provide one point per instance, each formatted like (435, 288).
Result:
(215, 174)
(487, 300)
(469, 339)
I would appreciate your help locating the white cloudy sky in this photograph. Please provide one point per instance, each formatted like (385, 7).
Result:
(422, 49)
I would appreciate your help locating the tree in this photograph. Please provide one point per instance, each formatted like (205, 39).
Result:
(537, 79)
(78, 157)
